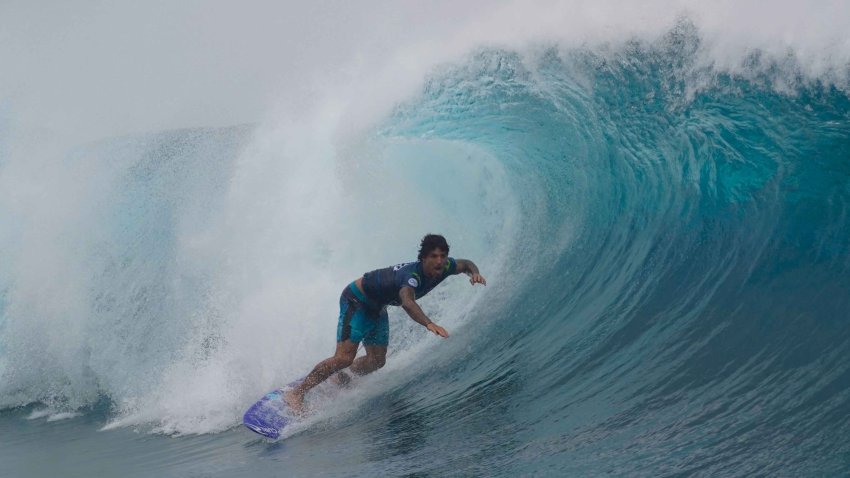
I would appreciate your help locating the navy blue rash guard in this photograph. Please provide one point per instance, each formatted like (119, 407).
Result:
(382, 286)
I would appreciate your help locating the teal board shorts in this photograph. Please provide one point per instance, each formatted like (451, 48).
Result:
(360, 320)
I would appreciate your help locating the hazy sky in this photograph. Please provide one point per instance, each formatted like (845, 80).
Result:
(98, 68)
(104, 67)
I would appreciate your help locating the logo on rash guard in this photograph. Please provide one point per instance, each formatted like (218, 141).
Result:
(413, 282)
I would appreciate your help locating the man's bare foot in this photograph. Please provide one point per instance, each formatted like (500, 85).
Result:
(340, 379)
(295, 401)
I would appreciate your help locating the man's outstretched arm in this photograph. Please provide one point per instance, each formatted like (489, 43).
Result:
(408, 303)
(469, 268)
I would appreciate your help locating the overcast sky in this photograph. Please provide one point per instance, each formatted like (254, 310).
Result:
(98, 68)
(108, 67)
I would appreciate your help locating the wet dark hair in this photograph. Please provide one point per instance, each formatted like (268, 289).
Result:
(431, 242)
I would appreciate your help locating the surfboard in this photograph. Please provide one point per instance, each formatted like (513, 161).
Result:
(270, 415)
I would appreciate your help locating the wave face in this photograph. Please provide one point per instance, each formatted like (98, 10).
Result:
(682, 288)
(668, 247)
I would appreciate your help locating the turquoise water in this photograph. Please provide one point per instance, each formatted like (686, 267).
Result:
(667, 247)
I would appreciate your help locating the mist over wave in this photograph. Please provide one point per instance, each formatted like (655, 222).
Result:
(662, 218)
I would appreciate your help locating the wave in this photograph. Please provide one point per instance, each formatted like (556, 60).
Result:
(684, 277)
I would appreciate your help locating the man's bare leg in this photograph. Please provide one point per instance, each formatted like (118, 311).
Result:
(340, 379)
(376, 356)
(343, 357)
(373, 360)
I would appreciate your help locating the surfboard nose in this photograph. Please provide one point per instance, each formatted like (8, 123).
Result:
(265, 431)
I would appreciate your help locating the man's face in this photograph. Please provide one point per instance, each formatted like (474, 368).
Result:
(434, 262)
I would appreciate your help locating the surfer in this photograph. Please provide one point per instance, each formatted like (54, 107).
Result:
(363, 312)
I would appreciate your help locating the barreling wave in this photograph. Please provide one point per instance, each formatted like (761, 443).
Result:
(684, 261)
(672, 245)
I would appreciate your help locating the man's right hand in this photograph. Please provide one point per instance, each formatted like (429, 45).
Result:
(437, 330)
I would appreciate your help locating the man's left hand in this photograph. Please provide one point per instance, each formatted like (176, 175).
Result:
(436, 329)
(477, 279)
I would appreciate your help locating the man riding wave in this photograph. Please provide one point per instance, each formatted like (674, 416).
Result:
(363, 312)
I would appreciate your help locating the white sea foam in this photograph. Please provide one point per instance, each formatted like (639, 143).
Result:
(40, 413)
(62, 416)
(51, 414)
